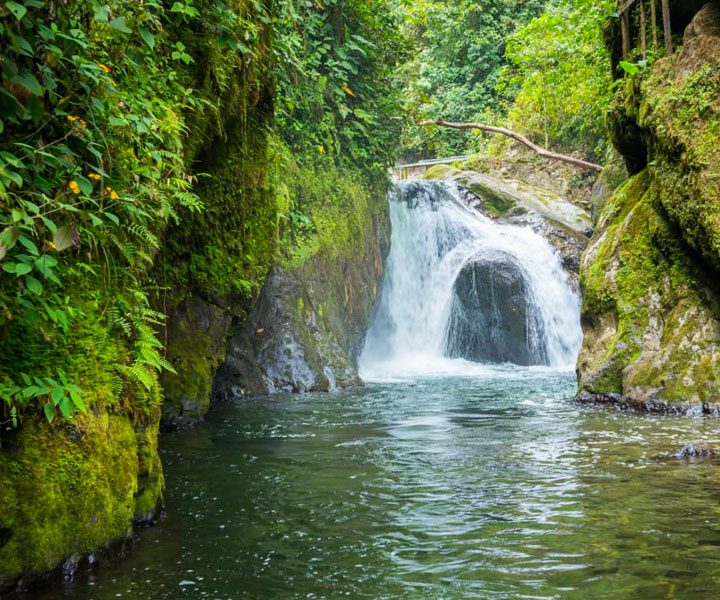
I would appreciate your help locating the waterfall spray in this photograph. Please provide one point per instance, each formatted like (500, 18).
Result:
(459, 285)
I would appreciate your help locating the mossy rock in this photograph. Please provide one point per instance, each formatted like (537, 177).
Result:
(196, 347)
(652, 326)
(69, 489)
(440, 172)
(307, 329)
(677, 108)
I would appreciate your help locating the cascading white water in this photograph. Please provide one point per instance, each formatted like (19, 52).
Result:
(435, 236)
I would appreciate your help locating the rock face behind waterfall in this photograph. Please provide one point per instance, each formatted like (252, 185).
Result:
(494, 318)
(651, 305)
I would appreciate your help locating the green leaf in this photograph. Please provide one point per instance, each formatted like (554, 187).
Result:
(84, 184)
(22, 269)
(49, 409)
(28, 81)
(18, 10)
(147, 37)
(34, 285)
(628, 67)
(119, 25)
(29, 244)
(113, 217)
(66, 407)
(10, 267)
(77, 400)
(8, 237)
(57, 395)
(101, 12)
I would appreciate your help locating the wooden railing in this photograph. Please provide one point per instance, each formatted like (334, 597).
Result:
(627, 8)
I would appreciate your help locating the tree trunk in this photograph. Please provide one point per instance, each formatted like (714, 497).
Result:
(625, 28)
(653, 18)
(643, 38)
(667, 26)
(571, 160)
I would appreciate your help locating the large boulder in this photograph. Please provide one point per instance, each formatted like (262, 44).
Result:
(493, 317)
(650, 315)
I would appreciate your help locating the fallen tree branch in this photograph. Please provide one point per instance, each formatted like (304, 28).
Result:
(571, 160)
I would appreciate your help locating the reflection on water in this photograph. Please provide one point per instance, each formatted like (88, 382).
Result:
(483, 487)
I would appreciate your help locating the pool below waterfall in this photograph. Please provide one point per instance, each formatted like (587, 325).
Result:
(488, 486)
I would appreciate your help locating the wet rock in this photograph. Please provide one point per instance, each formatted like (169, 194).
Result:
(195, 347)
(701, 41)
(306, 331)
(493, 317)
(705, 22)
(696, 450)
(71, 566)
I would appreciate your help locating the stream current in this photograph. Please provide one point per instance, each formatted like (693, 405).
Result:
(444, 477)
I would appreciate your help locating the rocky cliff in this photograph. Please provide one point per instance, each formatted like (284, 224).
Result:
(651, 310)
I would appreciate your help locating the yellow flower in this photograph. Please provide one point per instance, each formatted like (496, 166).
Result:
(71, 118)
(113, 195)
(74, 187)
(51, 245)
(94, 177)
(105, 69)
(321, 149)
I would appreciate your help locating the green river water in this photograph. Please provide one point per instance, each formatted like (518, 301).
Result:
(490, 486)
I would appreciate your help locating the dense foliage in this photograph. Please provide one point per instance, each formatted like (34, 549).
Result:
(539, 67)
(94, 100)
(337, 88)
(558, 81)
(338, 103)
(459, 52)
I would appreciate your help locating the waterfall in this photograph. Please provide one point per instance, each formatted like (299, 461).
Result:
(462, 290)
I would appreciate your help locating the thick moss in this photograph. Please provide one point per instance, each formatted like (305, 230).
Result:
(215, 262)
(682, 117)
(652, 329)
(70, 489)
(196, 347)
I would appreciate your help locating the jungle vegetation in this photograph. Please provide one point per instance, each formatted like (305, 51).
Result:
(101, 106)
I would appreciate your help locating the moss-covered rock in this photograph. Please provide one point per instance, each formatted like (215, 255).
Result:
(651, 324)
(306, 331)
(196, 346)
(509, 198)
(650, 306)
(69, 489)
